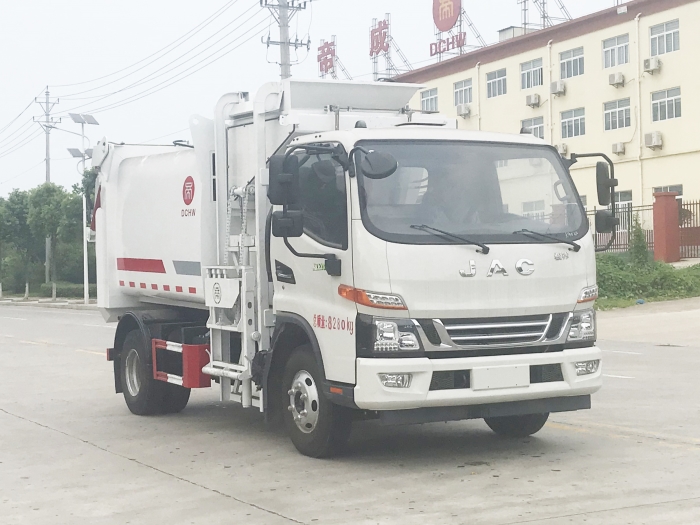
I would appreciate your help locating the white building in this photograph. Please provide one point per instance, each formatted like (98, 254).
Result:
(621, 82)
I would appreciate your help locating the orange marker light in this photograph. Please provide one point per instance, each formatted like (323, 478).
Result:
(372, 299)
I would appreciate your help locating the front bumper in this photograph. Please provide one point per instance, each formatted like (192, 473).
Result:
(370, 394)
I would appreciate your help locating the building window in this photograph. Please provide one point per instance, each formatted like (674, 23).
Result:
(677, 188)
(571, 63)
(584, 201)
(665, 38)
(573, 123)
(666, 104)
(533, 210)
(623, 198)
(616, 51)
(463, 92)
(531, 74)
(429, 100)
(496, 84)
(617, 114)
(534, 126)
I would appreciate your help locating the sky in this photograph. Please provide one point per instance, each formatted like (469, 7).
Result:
(140, 67)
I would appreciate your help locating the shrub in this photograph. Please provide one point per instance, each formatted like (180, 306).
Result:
(67, 290)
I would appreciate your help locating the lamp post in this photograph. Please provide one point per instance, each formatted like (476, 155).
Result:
(83, 154)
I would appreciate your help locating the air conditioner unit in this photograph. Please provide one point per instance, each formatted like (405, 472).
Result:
(652, 65)
(563, 149)
(617, 80)
(619, 148)
(558, 88)
(654, 140)
(463, 110)
(533, 101)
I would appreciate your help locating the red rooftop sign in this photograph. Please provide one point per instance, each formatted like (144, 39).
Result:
(446, 13)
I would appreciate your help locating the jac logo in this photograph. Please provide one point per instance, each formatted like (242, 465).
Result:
(188, 191)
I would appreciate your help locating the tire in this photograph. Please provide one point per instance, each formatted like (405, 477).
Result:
(143, 395)
(176, 398)
(317, 427)
(517, 426)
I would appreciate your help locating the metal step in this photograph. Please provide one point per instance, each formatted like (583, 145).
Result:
(227, 370)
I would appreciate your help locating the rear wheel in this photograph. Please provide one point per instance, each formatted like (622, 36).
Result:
(143, 394)
(317, 427)
(517, 426)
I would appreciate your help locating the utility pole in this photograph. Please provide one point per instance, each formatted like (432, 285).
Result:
(47, 125)
(283, 11)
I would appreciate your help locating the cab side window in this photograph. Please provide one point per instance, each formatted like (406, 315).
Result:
(324, 200)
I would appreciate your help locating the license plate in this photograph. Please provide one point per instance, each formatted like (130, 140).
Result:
(496, 377)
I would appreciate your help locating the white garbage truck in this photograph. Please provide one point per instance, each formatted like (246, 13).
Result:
(324, 253)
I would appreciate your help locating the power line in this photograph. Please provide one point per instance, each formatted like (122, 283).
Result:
(166, 83)
(23, 173)
(72, 96)
(213, 16)
(18, 130)
(18, 116)
(143, 81)
(20, 146)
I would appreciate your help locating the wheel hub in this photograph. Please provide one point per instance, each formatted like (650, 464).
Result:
(303, 401)
(133, 372)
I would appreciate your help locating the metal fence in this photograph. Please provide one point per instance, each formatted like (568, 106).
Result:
(627, 214)
(690, 229)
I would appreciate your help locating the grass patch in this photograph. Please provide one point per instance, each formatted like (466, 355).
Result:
(623, 280)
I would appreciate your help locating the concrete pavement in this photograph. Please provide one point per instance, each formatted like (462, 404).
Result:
(71, 452)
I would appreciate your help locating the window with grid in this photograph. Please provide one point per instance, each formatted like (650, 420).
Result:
(533, 210)
(623, 198)
(429, 100)
(573, 123)
(534, 126)
(571, 63)
(666, 104)
(463, 92)
(665, 38)
(617, 114)
(616, 51)
(677, 188)
(496, 84)
(531, 74)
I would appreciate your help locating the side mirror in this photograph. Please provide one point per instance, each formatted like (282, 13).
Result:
(376, 165)
(284, 180)
(289, 224)
(605, 222)
(605, 183)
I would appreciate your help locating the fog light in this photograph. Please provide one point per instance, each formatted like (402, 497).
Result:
(584, 368)
(396, 380)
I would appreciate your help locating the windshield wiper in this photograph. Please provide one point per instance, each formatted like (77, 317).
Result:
(530, 233)
(428, 229)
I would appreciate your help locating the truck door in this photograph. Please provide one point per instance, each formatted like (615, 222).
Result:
(302, 286)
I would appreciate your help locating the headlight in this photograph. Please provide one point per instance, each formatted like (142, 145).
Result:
(381, 337)
(583, 327)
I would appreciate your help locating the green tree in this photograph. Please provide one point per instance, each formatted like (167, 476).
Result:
(45, 215)
(638, 247)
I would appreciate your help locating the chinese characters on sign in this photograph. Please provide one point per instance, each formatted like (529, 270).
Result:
(326, 58)
(334, 323)
(379, 39)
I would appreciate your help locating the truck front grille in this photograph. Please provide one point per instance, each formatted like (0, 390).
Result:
(512, 331)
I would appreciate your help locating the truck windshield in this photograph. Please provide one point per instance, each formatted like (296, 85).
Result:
(486, 192)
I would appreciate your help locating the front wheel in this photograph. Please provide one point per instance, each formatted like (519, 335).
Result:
(317, 427)
(517, 426)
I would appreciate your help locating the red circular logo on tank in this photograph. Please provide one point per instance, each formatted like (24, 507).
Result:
(188, 191)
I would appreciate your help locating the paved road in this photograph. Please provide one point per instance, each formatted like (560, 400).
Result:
(71, 453)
